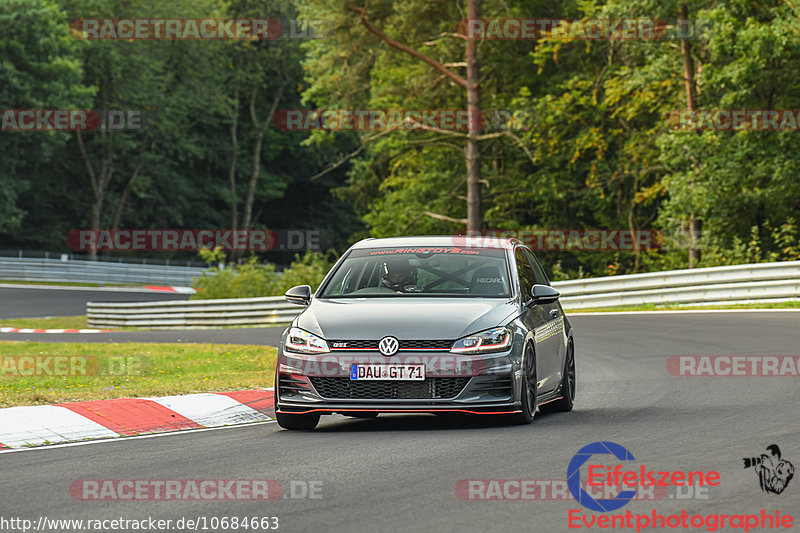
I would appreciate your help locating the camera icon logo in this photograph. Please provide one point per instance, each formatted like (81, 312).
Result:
(774, 472)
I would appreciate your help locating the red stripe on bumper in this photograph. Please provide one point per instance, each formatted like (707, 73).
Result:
(402, 411)
(132, 416)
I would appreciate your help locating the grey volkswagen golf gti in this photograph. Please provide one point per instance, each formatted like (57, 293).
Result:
(427, 325)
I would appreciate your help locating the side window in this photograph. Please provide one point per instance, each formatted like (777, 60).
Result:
(527, 277)
(541, 277)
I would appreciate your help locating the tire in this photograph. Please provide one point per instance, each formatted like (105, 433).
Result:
(529, 393)
(568, 386)
(288, 421)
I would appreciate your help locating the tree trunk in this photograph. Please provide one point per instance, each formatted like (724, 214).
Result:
(135, 174)
(251, 187)
(472, 152)
(691, 105)
(470, 84)
(632, 227)
(232, 167)
(99, 180)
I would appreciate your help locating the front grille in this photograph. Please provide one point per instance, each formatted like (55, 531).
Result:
(430, 389)
(352, 345)
(429, 345)
(434, 344)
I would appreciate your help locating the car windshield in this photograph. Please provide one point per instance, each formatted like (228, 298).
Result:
(427, 271)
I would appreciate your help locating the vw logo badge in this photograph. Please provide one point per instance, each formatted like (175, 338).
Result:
(388, 346)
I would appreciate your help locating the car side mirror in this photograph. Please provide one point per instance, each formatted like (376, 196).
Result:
(542, 294)
(300, 295)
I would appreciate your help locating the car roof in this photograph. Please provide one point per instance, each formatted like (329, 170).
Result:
(461, 241)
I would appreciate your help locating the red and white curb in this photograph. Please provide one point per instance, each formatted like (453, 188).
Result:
(144, 288)
(179, 290)
(32, 330)
(37, 425)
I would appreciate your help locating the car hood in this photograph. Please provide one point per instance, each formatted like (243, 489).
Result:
(417, 318)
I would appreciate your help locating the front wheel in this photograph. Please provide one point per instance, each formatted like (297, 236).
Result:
(289, 421)
(567, 386)
(529, 391)
(292, 421)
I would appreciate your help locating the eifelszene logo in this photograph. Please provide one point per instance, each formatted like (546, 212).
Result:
(599, 475)
(574, 477)
(774, 473)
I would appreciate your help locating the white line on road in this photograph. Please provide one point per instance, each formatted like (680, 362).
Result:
(124, 439)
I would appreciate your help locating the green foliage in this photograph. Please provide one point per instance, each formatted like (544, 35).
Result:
(186, 90)
(40, 67)
(252, 279)
(599, 153)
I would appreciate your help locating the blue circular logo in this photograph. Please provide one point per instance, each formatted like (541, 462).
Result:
(574, 477)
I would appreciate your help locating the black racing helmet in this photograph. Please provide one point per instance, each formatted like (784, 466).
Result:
(397, 273)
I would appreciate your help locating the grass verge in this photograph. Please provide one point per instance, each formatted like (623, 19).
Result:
(51, 322)
(100, 371)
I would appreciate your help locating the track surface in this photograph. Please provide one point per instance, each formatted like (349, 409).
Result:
(398, 473)
(38, 302)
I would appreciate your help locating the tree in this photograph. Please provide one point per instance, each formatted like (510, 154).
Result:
(165, 84)
(41, 69)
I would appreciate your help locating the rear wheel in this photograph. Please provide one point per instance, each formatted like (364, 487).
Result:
(529, 391)
(568, 386)
(289, 421)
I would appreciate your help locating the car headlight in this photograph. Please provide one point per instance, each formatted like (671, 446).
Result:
(302, 341)
(491, 340)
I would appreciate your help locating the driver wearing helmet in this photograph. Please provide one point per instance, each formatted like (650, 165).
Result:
(397, 273)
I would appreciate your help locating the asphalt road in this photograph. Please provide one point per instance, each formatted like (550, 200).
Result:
(399, 473)
(30, 301)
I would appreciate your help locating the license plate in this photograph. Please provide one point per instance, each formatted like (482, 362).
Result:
(387, 372)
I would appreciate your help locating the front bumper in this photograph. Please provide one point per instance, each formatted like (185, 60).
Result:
(471, 384)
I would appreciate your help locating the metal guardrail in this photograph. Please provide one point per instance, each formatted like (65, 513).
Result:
(25, 269)
(766, 281)
(760, 281)
(194, 313)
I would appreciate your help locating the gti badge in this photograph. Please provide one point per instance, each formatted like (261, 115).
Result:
(388, 346)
